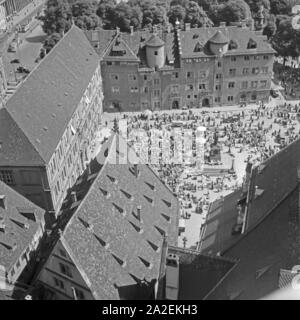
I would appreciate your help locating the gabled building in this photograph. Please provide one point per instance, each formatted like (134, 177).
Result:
(193, 67)
(111, 239)
(259, 228)
(48, 126)
(22, 226)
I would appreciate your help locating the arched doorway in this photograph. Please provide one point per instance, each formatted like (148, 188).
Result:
(175, 104)
(205, 102)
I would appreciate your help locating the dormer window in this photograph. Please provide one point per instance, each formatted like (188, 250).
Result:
(198, 47)
(232, 45)
(252, 44)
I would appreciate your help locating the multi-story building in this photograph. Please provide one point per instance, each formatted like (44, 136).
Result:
(22, 226)
(49, 124)
(13, 6)
(110, 242)
(194, 67)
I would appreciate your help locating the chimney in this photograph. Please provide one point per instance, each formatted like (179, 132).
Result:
(131, 30)
(244, 24)
(169, 28)
(172, 277)
(74, 196)
(89, 170)
(3, 201)
(187, 27)
(2, 226)
(118, 30)
(138, 212)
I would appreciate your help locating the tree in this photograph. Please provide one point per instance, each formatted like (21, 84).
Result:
(234, 11)
(51, 41)
(256, 4)
(122, 16)
(286, 41)
(176, 12)
(270, 28)
(280, 6)
(57, 17)
(85, 16)
(196, 16)
(153, 15)
(207, 4)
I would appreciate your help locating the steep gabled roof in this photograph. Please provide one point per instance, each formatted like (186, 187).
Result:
(16, 237)
(219, 38)
(118, 49)
(45, 102)
(155, 41)
(115, 245)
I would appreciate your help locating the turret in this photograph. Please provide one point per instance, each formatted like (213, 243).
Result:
(155, 51)
(218, 44)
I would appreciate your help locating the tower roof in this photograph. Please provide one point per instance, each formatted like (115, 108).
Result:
(155, 41)
(219, 38)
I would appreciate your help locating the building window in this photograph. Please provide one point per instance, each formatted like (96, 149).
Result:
(189, 74)
(218, 99)
(232, 45)
(232, 72)
(157, 105)
(115, 90)
(265, 70)
(146, 90)
(132, 77)
(253, 97)
(233, 59)
(65, 270)
(244, 84)
(175, 75)
(254, 84)
(219, 64)
(79, 294)
(247, 58)
(109, 63)
(246, 71)
(202, 86)
(145, 78)
(59, 284)
(156, 81)
(266, 57)
(18, 264)
(231, 85)
(190, 87)
(218, 87)
(156, 93)
(7, 177)
(230, 98)
(202, 74)
(251, 44)
(134, 90)
(156, 53)
(195, 96)
(256, 57)
(62, 253)
(114, 76)
(255, 70)
(218, 76)
(175, 89)
(263, 83)
(243, 97)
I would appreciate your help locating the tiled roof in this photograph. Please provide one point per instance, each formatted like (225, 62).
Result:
(262, 253)
(285, 278)
(44, 104)
(113, 245)
(101, 40)
(19, 230)
(15, 148)
(219, 38)
(199, 273)
(154, 41)
(269, 177)
(118, 45)
(217, 230)
(240, 36)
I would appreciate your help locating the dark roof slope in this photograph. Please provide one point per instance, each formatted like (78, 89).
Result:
(44, 104)
(16, 237)
(112, 245)
(218, 38)
(15, 148)
(199, 273)
(262, 253)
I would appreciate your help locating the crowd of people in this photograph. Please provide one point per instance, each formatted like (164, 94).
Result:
(242, 136)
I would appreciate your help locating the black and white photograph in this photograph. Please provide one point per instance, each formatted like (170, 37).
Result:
(149, 150)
